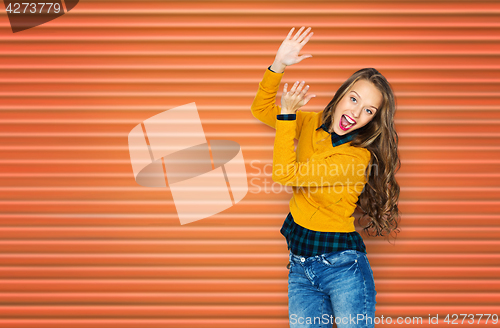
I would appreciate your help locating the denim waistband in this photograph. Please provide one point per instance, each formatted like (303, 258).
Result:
(300, 258)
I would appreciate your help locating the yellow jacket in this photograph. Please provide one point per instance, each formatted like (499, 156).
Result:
(326, 180)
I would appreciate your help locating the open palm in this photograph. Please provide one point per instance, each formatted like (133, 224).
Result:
(288, 52)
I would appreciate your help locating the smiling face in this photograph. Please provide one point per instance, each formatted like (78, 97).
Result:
(359, 105)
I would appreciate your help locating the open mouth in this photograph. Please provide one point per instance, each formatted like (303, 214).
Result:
(346, 122)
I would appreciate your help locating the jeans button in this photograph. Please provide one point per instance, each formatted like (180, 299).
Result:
(302, 259)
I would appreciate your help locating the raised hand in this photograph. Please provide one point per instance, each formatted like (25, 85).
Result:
(292, 100)
(288, 52)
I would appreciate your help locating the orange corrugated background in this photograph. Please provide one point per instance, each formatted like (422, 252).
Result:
(83, 245)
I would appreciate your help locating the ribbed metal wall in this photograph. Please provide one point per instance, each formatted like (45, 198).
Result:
(83, 245)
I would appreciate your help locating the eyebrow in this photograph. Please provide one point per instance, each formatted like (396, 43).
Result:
(362, 98)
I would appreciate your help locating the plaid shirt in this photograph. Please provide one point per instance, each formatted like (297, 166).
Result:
(304, 242)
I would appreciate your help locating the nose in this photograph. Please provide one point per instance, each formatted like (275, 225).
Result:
(355, 112)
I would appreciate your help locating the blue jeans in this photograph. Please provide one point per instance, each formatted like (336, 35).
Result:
(335, 287)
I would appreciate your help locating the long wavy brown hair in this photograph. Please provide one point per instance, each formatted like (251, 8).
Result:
(379, 199)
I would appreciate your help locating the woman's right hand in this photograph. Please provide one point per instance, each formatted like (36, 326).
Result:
(288, 52)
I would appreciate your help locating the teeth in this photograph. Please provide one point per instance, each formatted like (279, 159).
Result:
(349, 120)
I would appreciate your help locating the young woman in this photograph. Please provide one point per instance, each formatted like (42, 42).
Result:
(346, 157)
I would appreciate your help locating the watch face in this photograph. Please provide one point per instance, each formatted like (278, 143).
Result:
(25, 15)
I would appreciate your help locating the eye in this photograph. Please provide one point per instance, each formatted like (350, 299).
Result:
(366, 108)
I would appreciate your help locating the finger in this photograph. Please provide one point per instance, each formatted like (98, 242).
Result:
(307, 39)
(290, 33)
(309, 98)
(303, 92)
(301, 58)
(299, 90)
(294, 88)
(284, 89)
(298, 33)
(303, 35)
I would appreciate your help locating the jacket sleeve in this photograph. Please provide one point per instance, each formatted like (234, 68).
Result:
(345, 168)
(264, 107)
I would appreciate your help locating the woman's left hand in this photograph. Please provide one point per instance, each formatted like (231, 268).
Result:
(292, 100)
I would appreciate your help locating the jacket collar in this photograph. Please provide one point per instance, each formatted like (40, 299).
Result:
(339, 140)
